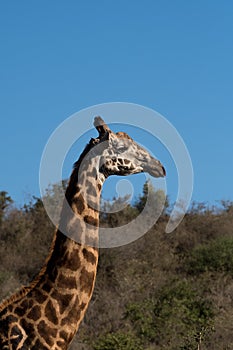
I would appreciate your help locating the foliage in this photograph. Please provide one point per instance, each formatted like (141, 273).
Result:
(214, 256)
(176, 310)
(117, 341)
(117, 212)
(157, 198)
(5, 201)
(164, 291)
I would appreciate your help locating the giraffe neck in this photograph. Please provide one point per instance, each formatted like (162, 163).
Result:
(49, 314)
(71, 270)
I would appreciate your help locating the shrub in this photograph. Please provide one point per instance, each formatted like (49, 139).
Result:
(176, 315)
(215, 256)
(118, 341)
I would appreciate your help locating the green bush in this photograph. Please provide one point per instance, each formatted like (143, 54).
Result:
(117, 341)
(176, 315)
(142, 317)
(215, 256)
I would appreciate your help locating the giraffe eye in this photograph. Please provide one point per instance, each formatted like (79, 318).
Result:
(121, 149)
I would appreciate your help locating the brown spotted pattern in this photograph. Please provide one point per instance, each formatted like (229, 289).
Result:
(46, 314)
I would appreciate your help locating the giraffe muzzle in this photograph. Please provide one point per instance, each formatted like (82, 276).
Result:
(155, 169)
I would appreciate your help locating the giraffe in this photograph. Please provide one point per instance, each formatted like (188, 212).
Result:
(47, 313)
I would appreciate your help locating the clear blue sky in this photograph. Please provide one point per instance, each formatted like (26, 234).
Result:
(58, 57)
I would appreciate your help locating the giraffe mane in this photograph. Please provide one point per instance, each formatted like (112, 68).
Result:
(24, 290)
(88, 147)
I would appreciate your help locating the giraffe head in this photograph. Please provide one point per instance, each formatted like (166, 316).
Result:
(121, 155)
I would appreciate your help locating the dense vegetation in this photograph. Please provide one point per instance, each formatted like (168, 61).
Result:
(164, 291)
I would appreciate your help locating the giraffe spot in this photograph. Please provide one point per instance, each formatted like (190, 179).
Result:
(86, 281)
(38, 345)
(127, 161)
(89, 256)
(27, 326)
(21, 308)
(81, 179)
(122, 134)
(35, 313)
(73, 261)
(63, 300)
(72, 317)
(7, 320)
(10, 308)
(91, 220)
(50, 313)
(79, 203)
(47, 333)
(47, 287)
(64, 335)
(40, 297)
(91, 190)
(85, 165)
(99, 187)
(26, 304)
(67, 282)
(82, 306)
(61, 345)
(17, 335)
(19, 311)
(92, 173)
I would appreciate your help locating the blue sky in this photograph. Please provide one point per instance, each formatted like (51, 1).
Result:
(59, 57)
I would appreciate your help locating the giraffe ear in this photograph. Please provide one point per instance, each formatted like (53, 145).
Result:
(100, 125)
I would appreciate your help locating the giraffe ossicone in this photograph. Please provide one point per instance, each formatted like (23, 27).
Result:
(47, 313)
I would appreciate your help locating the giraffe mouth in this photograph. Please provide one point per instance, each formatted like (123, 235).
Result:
(156, 170)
